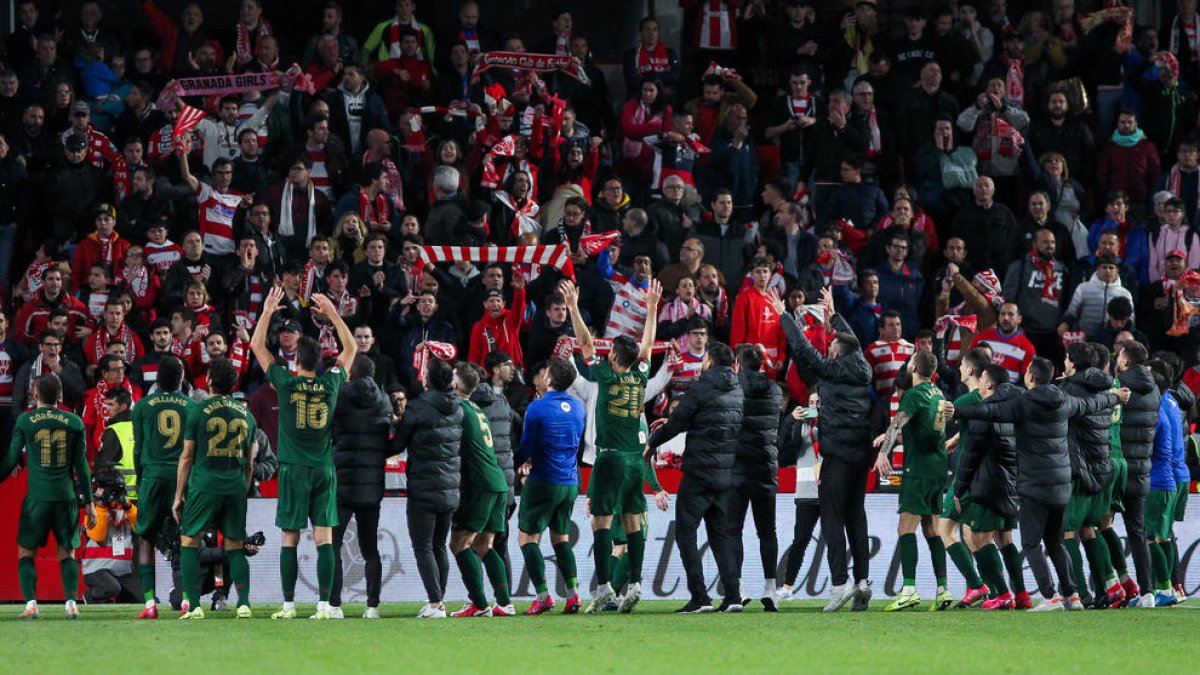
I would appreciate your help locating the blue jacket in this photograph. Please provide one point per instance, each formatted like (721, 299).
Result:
(902, 292)
(1168, 444)
(863, 204)
(1137, 246)
(550, 437)
(858, 313)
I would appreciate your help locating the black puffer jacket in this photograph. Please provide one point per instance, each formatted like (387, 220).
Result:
(842, 383)
(432, 432)
(710, 412)
(1091, 463)
(1040, 417)
(757, 457)
(361, 424)
(501, 419)
(1139, 417)
(988, 464)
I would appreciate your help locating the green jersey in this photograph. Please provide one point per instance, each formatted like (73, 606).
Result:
(224, 432)
(158, 434)
(480, 470)
(54, 443)
(924, 433)
(619, 407)
(964, 439)
(1114, 432)
(305, 407)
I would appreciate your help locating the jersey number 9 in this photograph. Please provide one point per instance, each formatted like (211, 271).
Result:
(170, 427)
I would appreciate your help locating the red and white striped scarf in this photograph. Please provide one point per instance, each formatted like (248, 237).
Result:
(430, 348)
(138, 283)
(372, 210)
(395, 182)
(524, 214)
(874, 138)
(122, 184)
(346, 306)
(557, 255)
(567, 345)
(244, 50)
(308, 282)
(1014, 81)
(124, 335)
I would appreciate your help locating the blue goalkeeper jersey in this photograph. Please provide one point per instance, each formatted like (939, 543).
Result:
(550, 437)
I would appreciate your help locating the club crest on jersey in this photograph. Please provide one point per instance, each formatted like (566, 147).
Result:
(643, 366)
(566, 407)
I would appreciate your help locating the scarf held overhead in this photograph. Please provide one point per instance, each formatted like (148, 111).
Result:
(538, 63)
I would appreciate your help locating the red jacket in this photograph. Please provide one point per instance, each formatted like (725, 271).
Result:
(755, 322)
(1133, 170)
(35, 315)
(500, 333)
(89, 251)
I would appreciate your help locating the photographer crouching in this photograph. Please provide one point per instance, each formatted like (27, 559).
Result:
(108, 555)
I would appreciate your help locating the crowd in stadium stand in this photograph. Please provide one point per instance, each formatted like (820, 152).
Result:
(1018, 174)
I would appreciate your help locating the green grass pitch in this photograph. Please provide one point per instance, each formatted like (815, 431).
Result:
(798, 639)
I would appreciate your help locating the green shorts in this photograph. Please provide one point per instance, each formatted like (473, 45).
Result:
(981, 518)
(949, 511)
(617, 531)
(616, 485)
(156, 496)
(306, 493)
(481, 512)
(921, 496)
(1120, 479)
(1160, 514)
(1181, 500)
(38, 519)
(546, 505)
(1086, 510)
(227, 513)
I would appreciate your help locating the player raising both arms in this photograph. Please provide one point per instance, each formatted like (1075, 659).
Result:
(58, 472)
(217, 468)
(620, 441)
(307, 479)
(158, 423)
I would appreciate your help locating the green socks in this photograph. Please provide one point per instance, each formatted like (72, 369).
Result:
(966, 566)
(565, 556)
(146, 576)
(992, 569)
(70, 577)
(472, 574)
(937, 556)
(1099, 560)
(189, 573)
(620, 571)
(1072, 546)
(1116, 551)
(1160, 566)
(535, 564)
(289, 569)
(1016, 571)
(637, 552)
(325, 564)
(908, 558)
(498, 576)
(602, 549)
(239, 573)
(27, 574)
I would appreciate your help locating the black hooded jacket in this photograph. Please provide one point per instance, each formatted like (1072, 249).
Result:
(987, 468)
(757, 457)
(432, 432)
(711, 414)
(842, 383)
(1139, 418)
(1091, 463)
(1040, 416)
(361, 425)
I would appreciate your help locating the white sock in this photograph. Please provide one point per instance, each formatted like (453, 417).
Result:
(1124, 577)
(288, 606)
(941, 589)
(150, 604)
(32, 604)
(322, 606)
(768, 587)
(906, 590)
(70, 604)
(543, 596)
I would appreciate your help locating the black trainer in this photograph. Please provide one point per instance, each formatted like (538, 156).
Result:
(695, 607)
(730, 606)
